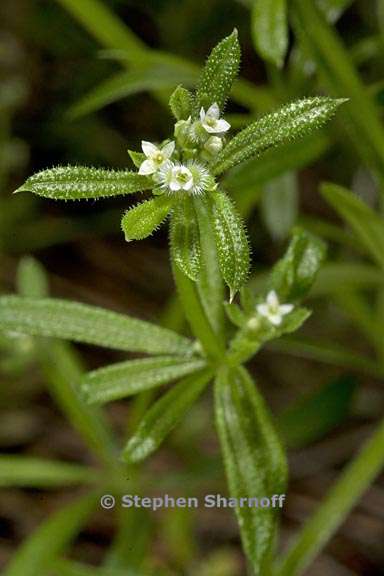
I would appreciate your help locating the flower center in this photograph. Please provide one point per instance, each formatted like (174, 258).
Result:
(211, 122)
(159, 158)
(183, 177)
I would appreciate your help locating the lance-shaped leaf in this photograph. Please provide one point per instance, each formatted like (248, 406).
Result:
(89, 324)
(142, 220)
(231, 241)
(254, 460)
(294, 274)
(163, 416)
(181, 103)
(127, 378)
(185, 239)
(293, 121)
(219, 73)
(50, 539)
(366, 224)
(80, 182)
(137, 157)
(123, 84)
(42, 473)
(270, 29)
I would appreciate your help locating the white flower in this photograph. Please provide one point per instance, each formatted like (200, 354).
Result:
(156, 157)
(273, 310)
(192, 177)
(211, 121)
(214, 144)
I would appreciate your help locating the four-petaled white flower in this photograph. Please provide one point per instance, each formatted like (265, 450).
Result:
(192, 178)
(273, 310)
(156, 157)
(211, 121)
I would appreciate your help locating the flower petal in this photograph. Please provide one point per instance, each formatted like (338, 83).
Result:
(168, 149)
(272, 299)
(202, 114)
(286, 309)
(275, 319)
(174, 185)
(147, 167)
(263, 310)
(209, 129)
(188, 185)
(214, 111)
(222, 126)
(148, 148)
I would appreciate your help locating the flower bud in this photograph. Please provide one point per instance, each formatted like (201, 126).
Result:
(213, 145)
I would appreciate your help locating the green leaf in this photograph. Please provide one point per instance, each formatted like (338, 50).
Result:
(361, 117)
(64, 567)
(258, 330)
(254, 460)
(293, 121)
(123, 84)
(31, 278)
(185, 239)
(63, 371)
(35, 555)
(279, 205)
(367, 225)
(270, 30)
(210, 285)
(41, 473)
(142, 220)
(294, 274)
(235, 314)
(219, 73)
(315, 414)
(231, 242)
(98, 19)
(290, 156)
(80, 182)
(332, 512)
(136, 157)
(89, 324)
(163, 416)
(329, 353)
(181, 103)
(134, 376)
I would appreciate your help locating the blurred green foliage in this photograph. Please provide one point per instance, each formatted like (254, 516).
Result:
(81, 81)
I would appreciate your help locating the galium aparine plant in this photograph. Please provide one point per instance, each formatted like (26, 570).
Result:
(208, 245)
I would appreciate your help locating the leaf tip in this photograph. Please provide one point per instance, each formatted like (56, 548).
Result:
(232, 294)
(21, 188)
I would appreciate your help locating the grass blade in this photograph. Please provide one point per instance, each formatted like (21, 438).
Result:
(339, 502)
(36, 554)
(40, 473)
(270, 29)
(315, 414)
(367, 225)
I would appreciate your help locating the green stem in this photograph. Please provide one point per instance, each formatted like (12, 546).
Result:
(196, 316)
(342, 497)
(210, 286)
